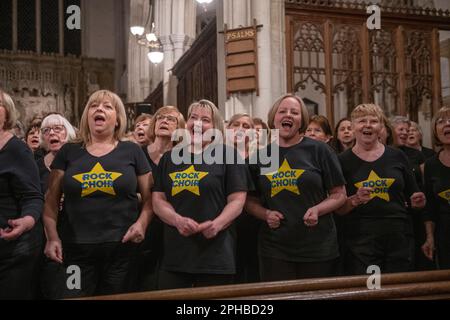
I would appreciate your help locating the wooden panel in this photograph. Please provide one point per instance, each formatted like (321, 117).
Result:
(401, 70)
(242, 84)
(241, 72)
(240, 59)
(436, 65)
(196, 70)
(240, 46)
(365, 63)
(329, 72)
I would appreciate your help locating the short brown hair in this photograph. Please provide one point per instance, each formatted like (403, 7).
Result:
(275, 106)
(442, 112)
(323, 122)
(260, 122)
(142, 117)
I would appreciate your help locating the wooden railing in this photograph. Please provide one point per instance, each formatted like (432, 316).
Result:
(415, 285)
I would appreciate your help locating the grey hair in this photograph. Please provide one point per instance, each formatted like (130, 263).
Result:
(395, 121)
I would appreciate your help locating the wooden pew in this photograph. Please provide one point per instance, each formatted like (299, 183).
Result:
(414, 285)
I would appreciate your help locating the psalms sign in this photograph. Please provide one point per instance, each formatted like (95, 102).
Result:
(241, 59)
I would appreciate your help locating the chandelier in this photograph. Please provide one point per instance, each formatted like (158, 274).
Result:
(204, 3)
(149, 40)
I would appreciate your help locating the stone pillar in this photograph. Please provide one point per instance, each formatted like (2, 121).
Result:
(138, 63)
(175, 24)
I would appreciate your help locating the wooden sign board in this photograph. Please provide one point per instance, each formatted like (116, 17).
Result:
(241, 59)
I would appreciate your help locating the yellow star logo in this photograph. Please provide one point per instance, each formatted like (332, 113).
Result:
(97, 180)
(380, 186)
(445, 195)
(284, 179)
(188, 179)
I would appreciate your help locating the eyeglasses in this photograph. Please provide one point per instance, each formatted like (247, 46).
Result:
(168, 118)
(56, 129)
(442, 121)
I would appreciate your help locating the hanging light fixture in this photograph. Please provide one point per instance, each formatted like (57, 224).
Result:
(204, 3)
(150, 40)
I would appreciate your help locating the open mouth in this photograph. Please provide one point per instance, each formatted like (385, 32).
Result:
(447, 132)
(54, 142)
(141, 134)
(35, 141)
(99, 119)
(367, 133)
(287, 124)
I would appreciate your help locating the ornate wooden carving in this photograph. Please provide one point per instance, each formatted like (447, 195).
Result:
(347, 68)
(197, 70)
(308, 58)
(383, 68)
(331, 51)
(419, 78)
(49, 82)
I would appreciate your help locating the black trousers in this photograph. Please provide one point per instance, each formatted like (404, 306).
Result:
(443, 241)
(53, 279)
(18, 275)
(278, 270)
(106, 268)
(176, 280)
(386, 243)
(247, 263)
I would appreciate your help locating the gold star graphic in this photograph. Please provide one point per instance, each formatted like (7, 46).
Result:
(97, 180)
(188, 180)
(380, 186)
(284, 179)
(445, 195)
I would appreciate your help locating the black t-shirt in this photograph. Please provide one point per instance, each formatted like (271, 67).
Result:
(199, 192)
(416, 158)
(20, 194)
(437, 188)
(152, 164)
(308, 170)
(100, 192)
(428, 153)
(390, 176)
(44, 173)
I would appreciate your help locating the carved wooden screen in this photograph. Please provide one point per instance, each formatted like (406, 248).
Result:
(196, 70)
(335, 60)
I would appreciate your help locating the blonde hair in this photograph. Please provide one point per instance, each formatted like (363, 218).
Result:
(442, 112)
(216, 117)
(181, 124)
(303, 110)
(57, 119)
(97, 97)
(11, 113)
(367, 109)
